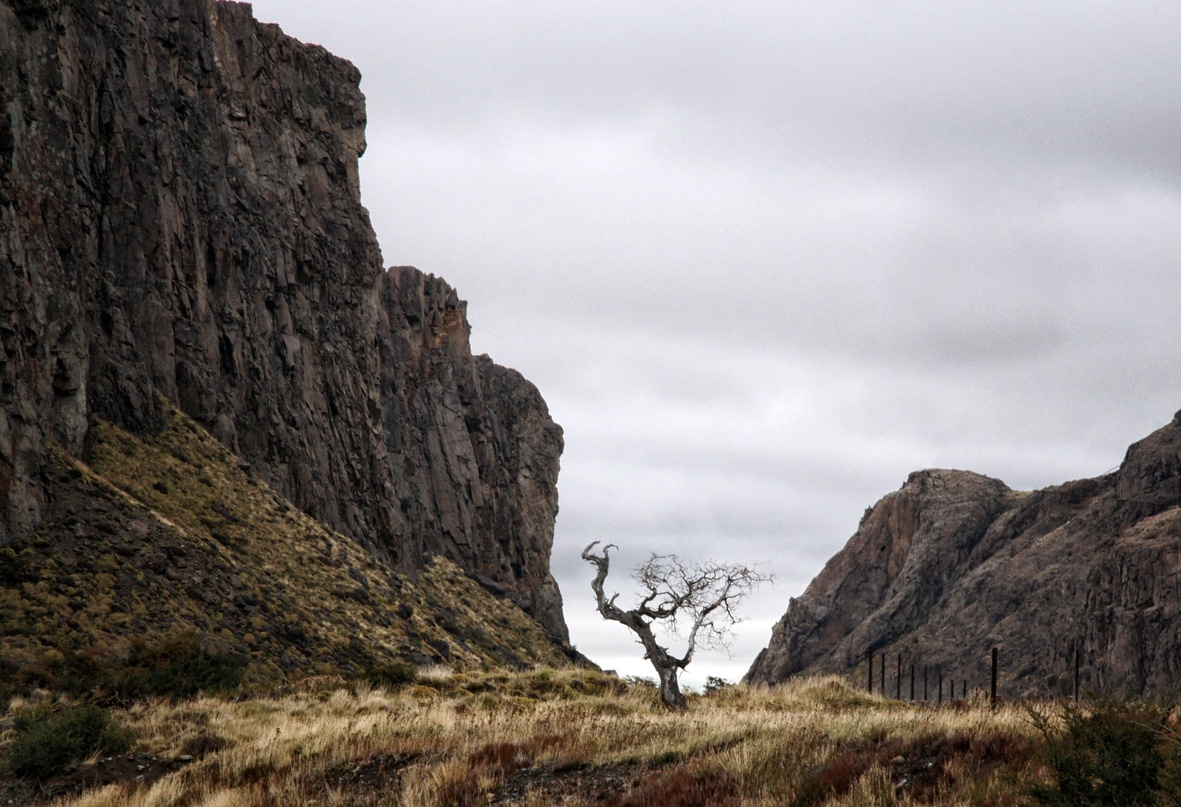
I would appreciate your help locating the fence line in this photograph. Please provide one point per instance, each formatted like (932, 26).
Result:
(882, 682)
(1072, 670)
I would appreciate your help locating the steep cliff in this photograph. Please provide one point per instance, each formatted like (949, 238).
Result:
(955, 563)
(180, 215)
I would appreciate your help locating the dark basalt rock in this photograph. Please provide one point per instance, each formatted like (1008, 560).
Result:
(180, 215)
(954, 563)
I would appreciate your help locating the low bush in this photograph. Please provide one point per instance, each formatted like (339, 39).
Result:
(177, 666)
(1111, 753)
(392, 675)
(47, 741)
(715, 684)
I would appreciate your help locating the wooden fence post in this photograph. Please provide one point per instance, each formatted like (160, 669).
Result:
(869, 682)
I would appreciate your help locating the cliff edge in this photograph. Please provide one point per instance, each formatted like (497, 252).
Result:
(180, 220)
(954, 564)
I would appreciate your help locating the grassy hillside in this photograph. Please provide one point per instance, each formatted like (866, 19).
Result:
(163, 567)
(572, 737)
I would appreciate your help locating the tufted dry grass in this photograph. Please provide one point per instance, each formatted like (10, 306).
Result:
(574, 737)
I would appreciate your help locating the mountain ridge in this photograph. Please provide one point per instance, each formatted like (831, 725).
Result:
(955, 563)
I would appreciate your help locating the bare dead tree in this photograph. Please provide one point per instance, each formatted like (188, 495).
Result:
(697, 598)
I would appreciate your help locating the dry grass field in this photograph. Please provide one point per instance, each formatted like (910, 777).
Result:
(544, 737)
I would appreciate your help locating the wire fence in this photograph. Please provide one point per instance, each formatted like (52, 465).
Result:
(931, 683)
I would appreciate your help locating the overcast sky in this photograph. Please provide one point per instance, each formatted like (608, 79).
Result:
(765, 259)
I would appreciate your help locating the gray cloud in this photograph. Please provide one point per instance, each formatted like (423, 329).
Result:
(764, 260)
(1053, 83)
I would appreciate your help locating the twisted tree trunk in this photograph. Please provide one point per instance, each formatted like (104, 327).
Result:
(703, 595)
(667, 666)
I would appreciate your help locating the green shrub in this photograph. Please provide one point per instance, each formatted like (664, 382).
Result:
(13, 569)
(178, 667)
(392, 675)
(47, 741)
(640, 681)
(715, 684)
(1112, 753)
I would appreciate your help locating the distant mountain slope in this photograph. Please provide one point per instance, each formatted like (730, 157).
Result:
(955, 563)
(166, 537)
(180, 216)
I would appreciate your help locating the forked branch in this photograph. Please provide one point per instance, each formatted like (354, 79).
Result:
(703, 595)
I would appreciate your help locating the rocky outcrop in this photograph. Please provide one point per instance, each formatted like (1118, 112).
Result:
(955, 563)
(180, 215)
(474, 449)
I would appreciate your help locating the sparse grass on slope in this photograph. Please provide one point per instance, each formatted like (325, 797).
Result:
(163, 557)
(579, 738)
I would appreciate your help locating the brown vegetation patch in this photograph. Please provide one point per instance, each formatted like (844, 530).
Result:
(682, 787)
(201, 745)
(923, 768)
(552, 784)
(378, 774)
(132, 771)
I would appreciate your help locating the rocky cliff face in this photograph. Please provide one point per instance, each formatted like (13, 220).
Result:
(180, 215)
(955, 563)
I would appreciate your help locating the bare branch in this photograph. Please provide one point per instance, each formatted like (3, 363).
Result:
(705, 595)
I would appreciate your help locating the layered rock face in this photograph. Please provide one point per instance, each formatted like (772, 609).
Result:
(180, 215)
(473, 448)
(955, 563)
